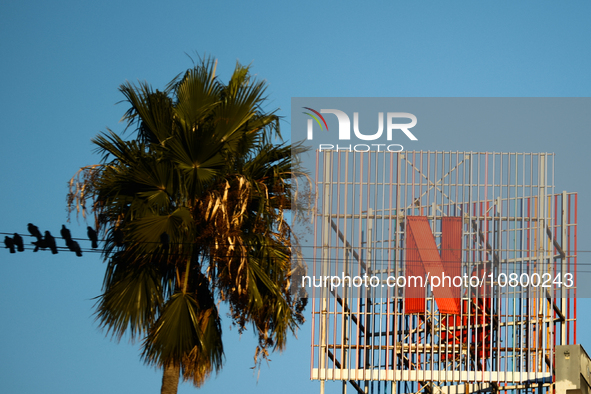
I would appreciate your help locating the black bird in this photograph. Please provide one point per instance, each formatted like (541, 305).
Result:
(74, 247)
(50, 242)
(18, 242)
(118, 235)
(66, 235)
(165, 240)
(40, 244)
(34, 230)
(93, 237)
(9, 244)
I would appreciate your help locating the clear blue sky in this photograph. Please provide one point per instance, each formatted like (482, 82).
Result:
(61, 64)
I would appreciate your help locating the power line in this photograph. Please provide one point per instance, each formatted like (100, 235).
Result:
(340, 246)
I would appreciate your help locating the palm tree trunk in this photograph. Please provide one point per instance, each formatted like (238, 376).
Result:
(170, 379)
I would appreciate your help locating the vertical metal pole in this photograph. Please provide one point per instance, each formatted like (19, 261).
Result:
(575, 221)
(345, 320)
(322, 365)
(540, 348)
(564, 246)
(315, 226)
(398, 253)
(369, 328)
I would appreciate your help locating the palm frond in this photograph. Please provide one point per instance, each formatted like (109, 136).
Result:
(132, 298)
(197, 95)
(145, 233)
(176, 332)
(151, 112)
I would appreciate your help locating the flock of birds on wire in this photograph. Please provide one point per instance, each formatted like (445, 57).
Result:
(47, 241)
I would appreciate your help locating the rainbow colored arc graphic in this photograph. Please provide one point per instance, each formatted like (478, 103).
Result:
(315, 118)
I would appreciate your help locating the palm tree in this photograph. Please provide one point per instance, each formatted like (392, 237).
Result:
(192, 211)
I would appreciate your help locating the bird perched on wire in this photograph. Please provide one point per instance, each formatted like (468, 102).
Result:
(9, 244)
(50, 242)
(34, 231)
(75, 247)
(18, 242)
(93, 237)
(39, 244)
(66, 235)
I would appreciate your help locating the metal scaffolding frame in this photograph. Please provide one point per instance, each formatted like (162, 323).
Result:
(510, 220)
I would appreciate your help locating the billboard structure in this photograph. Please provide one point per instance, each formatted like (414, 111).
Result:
(493, 246)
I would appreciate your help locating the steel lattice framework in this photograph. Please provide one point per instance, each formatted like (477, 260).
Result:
(381, 214)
